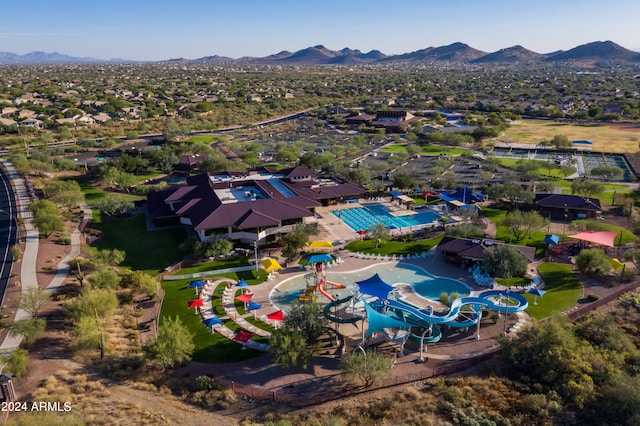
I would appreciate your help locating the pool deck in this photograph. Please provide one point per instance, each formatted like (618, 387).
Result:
(455, 344)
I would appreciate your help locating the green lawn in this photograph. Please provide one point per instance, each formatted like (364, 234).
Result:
(210, 348)
(150, 252)
(395, 148)
(91, 193)
(393, 247)
(232, 262)
(446, 150)
(607, 196)
(562, 290)
(203, 138)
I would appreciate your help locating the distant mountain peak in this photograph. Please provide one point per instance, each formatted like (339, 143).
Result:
(598, 53)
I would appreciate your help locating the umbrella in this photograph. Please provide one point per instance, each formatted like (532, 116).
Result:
(362, 232)
(196, 284)
(315, 258)
(276, 316)
(194, 304)
(242, 283)
(245, 298)
(321, 244)
(242, 337)
(210, 322)
(536, 292)
(253, 306)
(271, 264)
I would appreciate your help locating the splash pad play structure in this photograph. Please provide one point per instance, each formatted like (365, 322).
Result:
(390, 316)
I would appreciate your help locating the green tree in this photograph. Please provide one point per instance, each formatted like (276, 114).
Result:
(174, 344)
(92, 302)
(87, 333)
(31, 329)
(379, 232)
(110, 257)
(289, 348)
(504, 261)
(586, 187)
(366, 369)
(607, 173)
(219, 247)
(141, 282)
(404, 180)
(106, 278)
(593, 260)
(633, 255)
(307, 319)
(560, 141)
(549, 357)
(48, 224)
(114, 206)
(33, 300)
(523, 224)
(297, 239)
(16, 362)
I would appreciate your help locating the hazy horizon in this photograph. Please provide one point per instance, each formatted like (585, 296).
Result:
(158, 30)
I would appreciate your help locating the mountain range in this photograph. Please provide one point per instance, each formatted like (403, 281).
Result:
(595, 53)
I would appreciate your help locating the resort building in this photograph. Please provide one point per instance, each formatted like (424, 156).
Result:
(567, 206)
(255, 205)
(467, 251)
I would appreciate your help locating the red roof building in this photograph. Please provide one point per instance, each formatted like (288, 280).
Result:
(249, 206)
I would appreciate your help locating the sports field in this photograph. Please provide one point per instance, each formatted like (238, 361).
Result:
(605, 137)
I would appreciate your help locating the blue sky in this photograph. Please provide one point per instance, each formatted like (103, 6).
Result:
(161, 29)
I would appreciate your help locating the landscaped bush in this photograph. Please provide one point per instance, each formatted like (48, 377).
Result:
(592, 297)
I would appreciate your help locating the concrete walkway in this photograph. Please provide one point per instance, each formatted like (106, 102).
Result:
(28, 276)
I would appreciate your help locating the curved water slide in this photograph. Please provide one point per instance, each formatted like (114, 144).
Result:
(486, 299)
(332, 317)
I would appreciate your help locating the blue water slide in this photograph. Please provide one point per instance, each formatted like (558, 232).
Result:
(482, 299)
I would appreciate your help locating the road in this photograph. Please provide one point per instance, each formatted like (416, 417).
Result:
(8, 231)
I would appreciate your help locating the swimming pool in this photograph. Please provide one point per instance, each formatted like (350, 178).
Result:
(359, 218)
(425, 284)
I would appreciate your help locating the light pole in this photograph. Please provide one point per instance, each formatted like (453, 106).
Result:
(255, 251)
(337, 322)
(506, 311)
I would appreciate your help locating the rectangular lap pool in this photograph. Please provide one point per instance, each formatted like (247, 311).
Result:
(361, 218)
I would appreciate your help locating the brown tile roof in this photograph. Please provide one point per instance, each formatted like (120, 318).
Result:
(475, 248)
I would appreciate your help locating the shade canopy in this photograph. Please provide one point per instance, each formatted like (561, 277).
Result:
(428, 194)
(242, 337)
(276, 316)
(362, 232)
(375, 286)
(271, 264)
(194, 303)
(245, 298)
(253, 306)
(242, 283)
(320, 244)
(196, 283)
(378, 321)
(210, 322)
(551, 239)
(315, 258)
(605, 238)
(536, 291)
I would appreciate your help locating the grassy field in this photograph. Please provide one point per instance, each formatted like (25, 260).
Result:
(393, 247)
(430, 150)
(562, 290)
(203, 138)
(211, 348)
(605, 138)
(150, 252)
